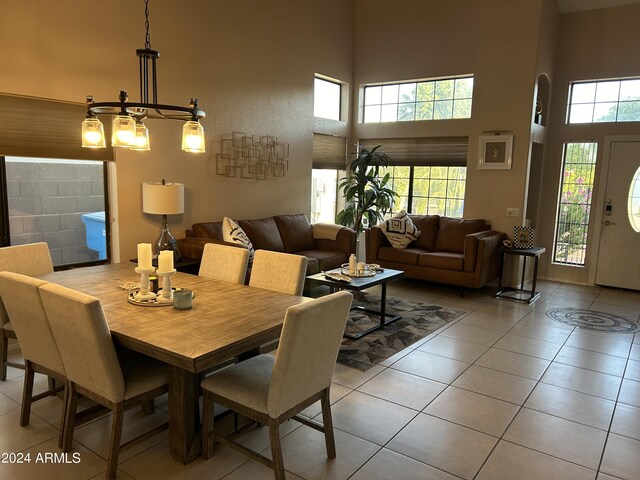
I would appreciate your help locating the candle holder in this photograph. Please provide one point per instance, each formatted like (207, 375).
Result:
(166, 294)
(145, 292)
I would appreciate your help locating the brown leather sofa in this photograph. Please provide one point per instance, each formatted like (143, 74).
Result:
(281, 233)
(450, 250)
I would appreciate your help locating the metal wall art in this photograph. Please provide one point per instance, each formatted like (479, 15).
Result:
(253, 157)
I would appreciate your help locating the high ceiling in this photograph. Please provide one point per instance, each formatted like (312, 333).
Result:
(567, 6)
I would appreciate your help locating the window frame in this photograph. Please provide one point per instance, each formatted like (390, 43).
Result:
(5, 230)
(435, 80)
(618, 102)
(325, 79)
(559, 203)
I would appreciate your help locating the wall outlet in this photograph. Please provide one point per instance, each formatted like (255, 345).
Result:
(513, 212)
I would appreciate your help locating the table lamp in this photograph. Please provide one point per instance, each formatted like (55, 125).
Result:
(163, 199)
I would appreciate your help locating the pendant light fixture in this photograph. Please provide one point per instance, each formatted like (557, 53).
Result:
(128, 128)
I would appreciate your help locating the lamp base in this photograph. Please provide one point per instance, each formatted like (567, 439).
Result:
(166, 241)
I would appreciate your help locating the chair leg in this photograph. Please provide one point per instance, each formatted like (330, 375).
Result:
(276, 449)
(207, 424)
(69, 425)
(27, 394)
(329, 439)
(65, 396)
(4, 346)
(114, 446)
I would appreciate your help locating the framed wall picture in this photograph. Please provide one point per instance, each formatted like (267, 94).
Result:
(495, 152)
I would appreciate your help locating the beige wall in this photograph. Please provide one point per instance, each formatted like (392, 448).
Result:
(411, 39)
(592, 45)
(251, 67)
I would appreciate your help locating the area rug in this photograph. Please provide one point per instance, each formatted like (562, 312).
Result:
(418, 320)
(590, 320)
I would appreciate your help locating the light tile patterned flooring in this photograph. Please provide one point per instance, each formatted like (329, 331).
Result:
(503, 393)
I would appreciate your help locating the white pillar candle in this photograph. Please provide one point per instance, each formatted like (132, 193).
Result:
(144, 255)
(165, 261)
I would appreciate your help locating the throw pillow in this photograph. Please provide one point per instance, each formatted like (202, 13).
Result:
(232, 232)
(400, 230)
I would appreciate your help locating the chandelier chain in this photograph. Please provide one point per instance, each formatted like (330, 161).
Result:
(147, 38)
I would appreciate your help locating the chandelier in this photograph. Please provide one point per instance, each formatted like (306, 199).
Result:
(128, 128)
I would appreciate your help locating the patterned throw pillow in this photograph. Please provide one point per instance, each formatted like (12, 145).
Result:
(400, 230)
(232, 232)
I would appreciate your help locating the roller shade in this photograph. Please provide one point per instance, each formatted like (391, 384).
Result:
(329, 151)
(422, 151)
(35, 127)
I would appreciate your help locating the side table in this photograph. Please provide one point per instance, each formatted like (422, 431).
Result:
(513, 293)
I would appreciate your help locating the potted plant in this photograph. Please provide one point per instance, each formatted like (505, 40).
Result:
(367, 197)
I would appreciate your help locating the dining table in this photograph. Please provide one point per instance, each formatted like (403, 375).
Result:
(225, 321)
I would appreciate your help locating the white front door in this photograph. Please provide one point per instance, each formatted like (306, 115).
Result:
(619, 257)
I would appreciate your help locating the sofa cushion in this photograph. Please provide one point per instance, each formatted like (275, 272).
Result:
(208, 230)
(296, 232)
(326, 259)
(443, 260)
(263, 233)
(453, 231)
(400, 230)
(408, 256)
(232, 232)
(428, 225)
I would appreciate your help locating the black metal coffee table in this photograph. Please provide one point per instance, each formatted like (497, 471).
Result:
(358, 284)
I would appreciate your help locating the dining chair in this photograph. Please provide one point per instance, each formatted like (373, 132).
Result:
(280, 272)
(22, 303)
(225, 263)
(31, 259)
(95, 370)
(271, 389)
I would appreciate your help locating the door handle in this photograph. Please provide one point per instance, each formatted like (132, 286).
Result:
(607, 223)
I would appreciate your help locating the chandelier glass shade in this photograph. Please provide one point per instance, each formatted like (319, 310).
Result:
(129, 130)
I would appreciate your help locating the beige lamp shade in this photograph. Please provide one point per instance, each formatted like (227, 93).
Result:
(162, 199)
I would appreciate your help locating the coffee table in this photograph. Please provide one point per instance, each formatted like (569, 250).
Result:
(358, 284)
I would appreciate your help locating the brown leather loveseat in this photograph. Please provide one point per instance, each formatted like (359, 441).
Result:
(449, 250)
(281, 233)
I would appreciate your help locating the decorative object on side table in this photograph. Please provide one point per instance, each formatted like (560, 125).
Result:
(522, 237)
(495, 152)
(163, 199)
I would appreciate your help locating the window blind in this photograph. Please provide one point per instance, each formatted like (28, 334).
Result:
(36, 127)
(329, 151)
(422, 151)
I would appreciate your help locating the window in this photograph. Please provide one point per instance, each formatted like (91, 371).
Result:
(326, 99)
(604, 101)
(434, 99)
(324, 184)
(433, 190)
(574, 203)
(61, 202)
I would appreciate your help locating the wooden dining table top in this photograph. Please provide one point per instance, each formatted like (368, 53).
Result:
(226, 319)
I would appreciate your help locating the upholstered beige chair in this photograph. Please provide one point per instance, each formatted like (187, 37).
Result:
(225, 263)
(271, 389)
(280, 272)
(93, 367)
(32, 259)
(22, 303)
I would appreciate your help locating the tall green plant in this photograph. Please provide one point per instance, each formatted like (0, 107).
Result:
(367, 197)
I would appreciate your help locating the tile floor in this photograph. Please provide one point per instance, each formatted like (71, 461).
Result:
(502, 393)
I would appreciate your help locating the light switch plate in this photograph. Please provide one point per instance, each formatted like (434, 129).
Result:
(513, 212)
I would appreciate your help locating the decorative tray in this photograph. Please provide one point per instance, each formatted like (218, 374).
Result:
(369, 271)
(152, 302)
